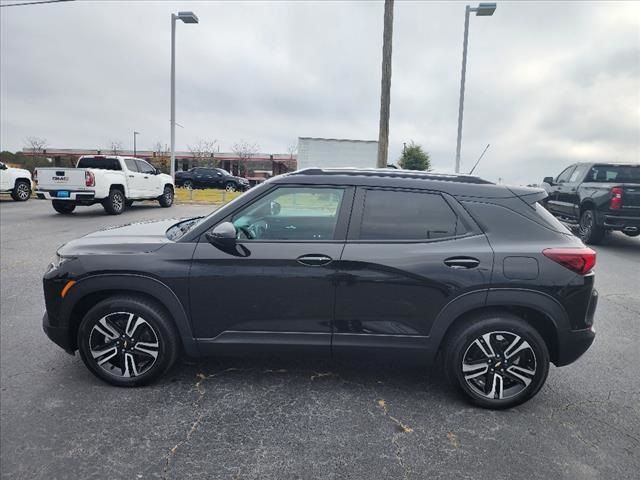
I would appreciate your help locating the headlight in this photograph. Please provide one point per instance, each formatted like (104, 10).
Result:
(57, 261)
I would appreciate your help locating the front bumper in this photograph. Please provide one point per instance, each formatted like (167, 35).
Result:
(60, 335)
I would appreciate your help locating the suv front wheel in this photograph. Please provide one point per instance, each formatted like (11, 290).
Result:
(127, 341)
(497, 359)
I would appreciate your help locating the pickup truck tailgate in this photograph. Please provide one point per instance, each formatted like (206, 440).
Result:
(631, 196)
(61, 178)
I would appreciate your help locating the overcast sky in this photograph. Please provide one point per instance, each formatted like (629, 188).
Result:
(548, 83)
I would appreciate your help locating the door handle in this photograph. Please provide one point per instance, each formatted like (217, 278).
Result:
(146, 176)
(130, 176)
(462, 262)
(314, 260)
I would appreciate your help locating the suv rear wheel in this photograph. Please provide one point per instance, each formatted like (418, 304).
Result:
(497, 360)
(115, 203)
(588, 231)
(127, 341)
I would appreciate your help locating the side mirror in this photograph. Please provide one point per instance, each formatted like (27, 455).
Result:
(548, 180)
(158, 172)
(274, 208)
(223, 235)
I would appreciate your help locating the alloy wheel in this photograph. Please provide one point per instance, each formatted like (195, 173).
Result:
(168, 195)
(586, 224)
(124, 345)
(230, 187)
(499, 365)
(23, 191)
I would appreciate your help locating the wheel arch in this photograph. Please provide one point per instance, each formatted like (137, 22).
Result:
(91, 290)
(539, 310)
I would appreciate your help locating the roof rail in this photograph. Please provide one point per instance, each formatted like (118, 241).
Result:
(392, 173)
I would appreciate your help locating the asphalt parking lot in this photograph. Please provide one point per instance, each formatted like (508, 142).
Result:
(286, 418)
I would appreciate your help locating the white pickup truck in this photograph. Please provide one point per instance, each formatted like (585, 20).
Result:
(15, 181)
(115, 182)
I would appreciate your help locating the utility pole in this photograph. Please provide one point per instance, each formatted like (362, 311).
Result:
(135, 134)
(385, 94)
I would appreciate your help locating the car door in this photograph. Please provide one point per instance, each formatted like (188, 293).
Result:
(135, 181)
(568, 200)
(556, 193)
(276, 288)
(408, 254)
(151, 184)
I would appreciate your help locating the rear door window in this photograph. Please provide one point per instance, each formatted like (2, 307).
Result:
(404, 215)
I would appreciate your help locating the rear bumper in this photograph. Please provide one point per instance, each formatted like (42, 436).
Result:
(573, 343)
(625, 224)
(78, 195)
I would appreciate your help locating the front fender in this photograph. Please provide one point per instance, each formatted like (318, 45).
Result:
(132, 284)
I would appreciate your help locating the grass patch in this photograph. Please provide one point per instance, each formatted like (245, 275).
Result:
(209, 195)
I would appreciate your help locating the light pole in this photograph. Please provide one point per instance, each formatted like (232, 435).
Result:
(135, 134)
(482, 10)
(186, 17)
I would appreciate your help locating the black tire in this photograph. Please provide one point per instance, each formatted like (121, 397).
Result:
(485, 388)
(231, 187)
(128, 203)
(156, 328)
(166, 199)
(115, 203)
(63, 207)
(188, 184)
(588, 231)
(21, 191)
(631, 234)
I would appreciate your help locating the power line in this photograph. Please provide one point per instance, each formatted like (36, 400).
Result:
(34, 3)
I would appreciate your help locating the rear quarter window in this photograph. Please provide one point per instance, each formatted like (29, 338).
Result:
(402, 215)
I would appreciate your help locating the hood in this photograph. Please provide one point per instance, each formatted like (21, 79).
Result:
(21, 171)
(126, 239)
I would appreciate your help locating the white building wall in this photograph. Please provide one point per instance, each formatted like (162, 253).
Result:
(335, 153)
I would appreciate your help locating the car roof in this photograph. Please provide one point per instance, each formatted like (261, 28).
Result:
(457, 185)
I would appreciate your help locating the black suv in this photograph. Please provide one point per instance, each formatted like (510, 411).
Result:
(367, 263)
(200, 177)
(597, 197)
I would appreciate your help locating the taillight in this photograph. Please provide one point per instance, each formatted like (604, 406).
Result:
(579, 260)
(89, 179)
(616, 198)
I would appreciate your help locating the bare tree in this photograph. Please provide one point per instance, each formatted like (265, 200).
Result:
(36, 145)
(115, 146)
(244, 151)
(292, 149)
(161, 156)
(202, 152)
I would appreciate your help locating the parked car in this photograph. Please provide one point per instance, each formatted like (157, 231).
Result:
(596, 197)
(15, 181)
(372, 263)
(115, 182)
(200, 177)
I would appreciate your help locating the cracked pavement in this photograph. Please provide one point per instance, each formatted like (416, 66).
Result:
(266, 417)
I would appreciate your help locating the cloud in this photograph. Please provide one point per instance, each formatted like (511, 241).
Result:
(547, 83)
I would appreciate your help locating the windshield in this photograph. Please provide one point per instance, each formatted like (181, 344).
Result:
(614, 173)
(102, 163)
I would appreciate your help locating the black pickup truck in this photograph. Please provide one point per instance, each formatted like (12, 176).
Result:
(596, 197)
(200, 177)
